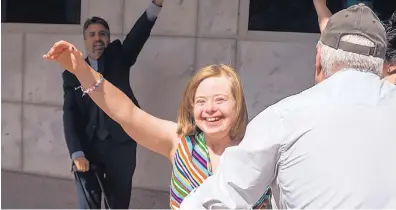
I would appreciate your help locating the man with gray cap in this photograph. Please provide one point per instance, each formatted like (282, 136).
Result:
(331, 146)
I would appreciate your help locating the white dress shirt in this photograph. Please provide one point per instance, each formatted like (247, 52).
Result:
(331, 146)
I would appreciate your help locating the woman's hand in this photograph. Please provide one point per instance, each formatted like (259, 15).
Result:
(67, 56)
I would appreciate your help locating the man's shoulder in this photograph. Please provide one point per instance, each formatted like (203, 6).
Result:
(115, 44)
(113, 48)
(302, 100)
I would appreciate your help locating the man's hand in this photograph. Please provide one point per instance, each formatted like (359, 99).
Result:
(158, 2)
(82, 164)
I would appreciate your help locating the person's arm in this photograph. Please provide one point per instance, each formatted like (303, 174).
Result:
(139, 34)
(323, 13)
(245, 171)
(153, 133)
(154, 9)
(148, 131)
(70, 117)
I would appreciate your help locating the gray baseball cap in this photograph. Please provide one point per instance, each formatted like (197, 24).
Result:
(356, 20)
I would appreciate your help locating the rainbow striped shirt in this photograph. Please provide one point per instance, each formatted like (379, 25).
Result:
(191, 167)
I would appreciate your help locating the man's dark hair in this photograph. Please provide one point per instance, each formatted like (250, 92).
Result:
(390, 28)
(95, 20)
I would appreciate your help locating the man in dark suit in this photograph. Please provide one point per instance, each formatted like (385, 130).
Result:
(91, 136)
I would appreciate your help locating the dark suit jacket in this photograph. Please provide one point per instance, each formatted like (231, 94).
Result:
(80, 113)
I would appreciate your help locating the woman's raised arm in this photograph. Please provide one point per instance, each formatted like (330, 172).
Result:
(323, 13)
(148, 131)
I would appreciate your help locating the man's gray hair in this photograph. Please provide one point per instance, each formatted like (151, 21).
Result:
(333, 60)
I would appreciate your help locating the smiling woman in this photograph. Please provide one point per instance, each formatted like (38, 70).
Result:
(212, 117)
(214, 94)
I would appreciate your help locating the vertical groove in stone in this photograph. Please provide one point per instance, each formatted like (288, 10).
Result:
(236, 67)
(196, 40)
(123, 19)
(23, 59)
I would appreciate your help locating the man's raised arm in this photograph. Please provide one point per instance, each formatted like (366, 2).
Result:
(140, 32)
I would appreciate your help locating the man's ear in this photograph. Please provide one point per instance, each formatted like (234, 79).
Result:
(319, 75)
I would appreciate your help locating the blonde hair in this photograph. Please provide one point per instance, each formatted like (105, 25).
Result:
(186, 122)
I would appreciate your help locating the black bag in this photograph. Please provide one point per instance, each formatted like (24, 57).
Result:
(93, 169)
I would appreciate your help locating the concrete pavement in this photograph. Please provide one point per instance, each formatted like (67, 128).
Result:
(27, 191)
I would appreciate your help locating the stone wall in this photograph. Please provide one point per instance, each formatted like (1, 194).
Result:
(186, 36)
